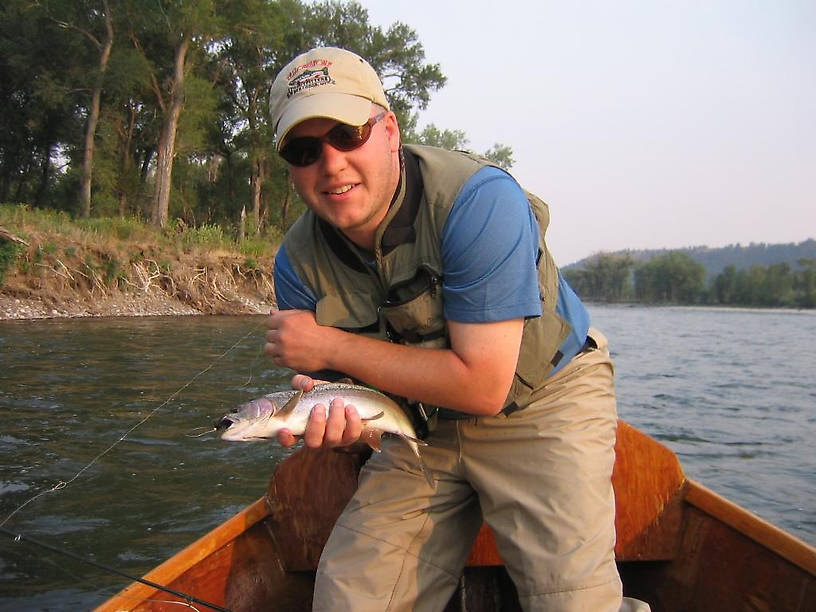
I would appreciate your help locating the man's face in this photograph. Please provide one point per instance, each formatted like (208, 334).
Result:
(351, 190)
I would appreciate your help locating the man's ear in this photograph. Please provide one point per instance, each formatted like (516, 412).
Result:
(392, 129)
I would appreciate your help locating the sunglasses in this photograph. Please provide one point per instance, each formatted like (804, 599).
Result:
(307, 150)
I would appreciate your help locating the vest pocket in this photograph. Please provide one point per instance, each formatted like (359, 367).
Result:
(413, 311)
(353, 311)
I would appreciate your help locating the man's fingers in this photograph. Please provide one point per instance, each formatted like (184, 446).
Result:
(286, 438)
(336, 423)
(354, 426)
(301, 381)
(316, 427)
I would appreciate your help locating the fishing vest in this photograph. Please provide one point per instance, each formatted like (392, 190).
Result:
(395, 293)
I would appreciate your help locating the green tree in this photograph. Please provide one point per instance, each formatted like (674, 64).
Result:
(173, 35)
(93, 22)
(805, 283)
(674, 277)
(725, 286)
(457, 140)
(778, 287)
(259, 41)
(127, 134)
(451, 140)
(605, 277)
(501, 155)
(40, 69)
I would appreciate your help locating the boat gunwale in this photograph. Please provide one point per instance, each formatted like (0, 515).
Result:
(171, 569)
(745, 522)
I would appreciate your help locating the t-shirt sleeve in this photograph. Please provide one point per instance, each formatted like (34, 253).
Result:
(290, 292)
(489, 251)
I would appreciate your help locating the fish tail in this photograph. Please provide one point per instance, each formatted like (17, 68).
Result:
(426, 473)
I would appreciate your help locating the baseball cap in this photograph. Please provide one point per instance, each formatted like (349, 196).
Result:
(326, 82)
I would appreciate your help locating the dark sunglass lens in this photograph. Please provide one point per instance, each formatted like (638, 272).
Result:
(302, 151)
(348, 137)
(308, 149)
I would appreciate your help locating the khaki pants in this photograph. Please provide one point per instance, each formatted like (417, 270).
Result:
(540, 477)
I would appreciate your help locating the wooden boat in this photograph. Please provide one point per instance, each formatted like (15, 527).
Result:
(680, 546)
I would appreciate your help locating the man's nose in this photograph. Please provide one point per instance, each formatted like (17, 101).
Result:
(331, 158)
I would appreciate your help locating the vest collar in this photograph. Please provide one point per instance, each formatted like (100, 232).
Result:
(400, 228)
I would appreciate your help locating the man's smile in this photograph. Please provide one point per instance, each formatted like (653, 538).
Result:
(340, 190)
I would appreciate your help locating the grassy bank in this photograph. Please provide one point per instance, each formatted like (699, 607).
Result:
(83, 266)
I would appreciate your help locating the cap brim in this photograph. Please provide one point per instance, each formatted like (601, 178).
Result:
(349, 109)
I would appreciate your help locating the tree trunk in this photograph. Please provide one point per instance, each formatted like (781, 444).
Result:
(167, 141)
(256, 181)
(125, 163)
(285, 206)
(45, 174)
(93, 116)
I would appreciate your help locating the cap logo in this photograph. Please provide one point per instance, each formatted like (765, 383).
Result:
(306, 76)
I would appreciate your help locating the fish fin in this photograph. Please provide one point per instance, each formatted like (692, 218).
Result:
(413, 439)
(379, 415)
(289, 406)
(372, 437)
(426, 473)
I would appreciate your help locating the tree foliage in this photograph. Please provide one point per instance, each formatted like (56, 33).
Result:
(604, 278)
(674, 277)
(457, 140)
(160, 109)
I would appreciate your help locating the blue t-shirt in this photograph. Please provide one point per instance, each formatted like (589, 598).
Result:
(489, 248)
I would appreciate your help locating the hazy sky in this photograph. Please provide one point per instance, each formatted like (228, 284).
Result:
(643, 124)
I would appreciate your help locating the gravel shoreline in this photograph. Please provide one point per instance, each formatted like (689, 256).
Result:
(120, 305)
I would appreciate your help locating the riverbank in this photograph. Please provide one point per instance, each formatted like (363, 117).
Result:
(120, 304)
(218, 286)
(52, 266)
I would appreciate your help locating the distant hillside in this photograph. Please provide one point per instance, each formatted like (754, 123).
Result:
(714, 260)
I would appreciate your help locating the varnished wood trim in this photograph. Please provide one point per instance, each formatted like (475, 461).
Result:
(771, 537)
(179, 563)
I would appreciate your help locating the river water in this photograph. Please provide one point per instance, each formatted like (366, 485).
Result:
(108, 406)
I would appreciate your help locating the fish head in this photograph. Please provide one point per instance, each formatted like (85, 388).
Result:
(251, 421)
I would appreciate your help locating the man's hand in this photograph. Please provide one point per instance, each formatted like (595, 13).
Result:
(296, 341)
(340, 427)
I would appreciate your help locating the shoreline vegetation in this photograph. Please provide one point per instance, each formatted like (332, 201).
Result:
(54, 266)
(675, 277)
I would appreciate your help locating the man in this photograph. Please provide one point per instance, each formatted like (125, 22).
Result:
(424, 273)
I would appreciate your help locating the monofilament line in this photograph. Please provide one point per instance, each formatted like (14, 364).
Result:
(64, 483)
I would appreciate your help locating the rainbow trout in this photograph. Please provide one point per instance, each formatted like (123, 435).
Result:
(264, 417)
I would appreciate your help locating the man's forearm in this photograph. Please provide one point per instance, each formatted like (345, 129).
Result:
(435, 376)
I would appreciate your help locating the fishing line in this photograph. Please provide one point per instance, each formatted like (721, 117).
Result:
(64, 483)
(252, 365)
(17, 537)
